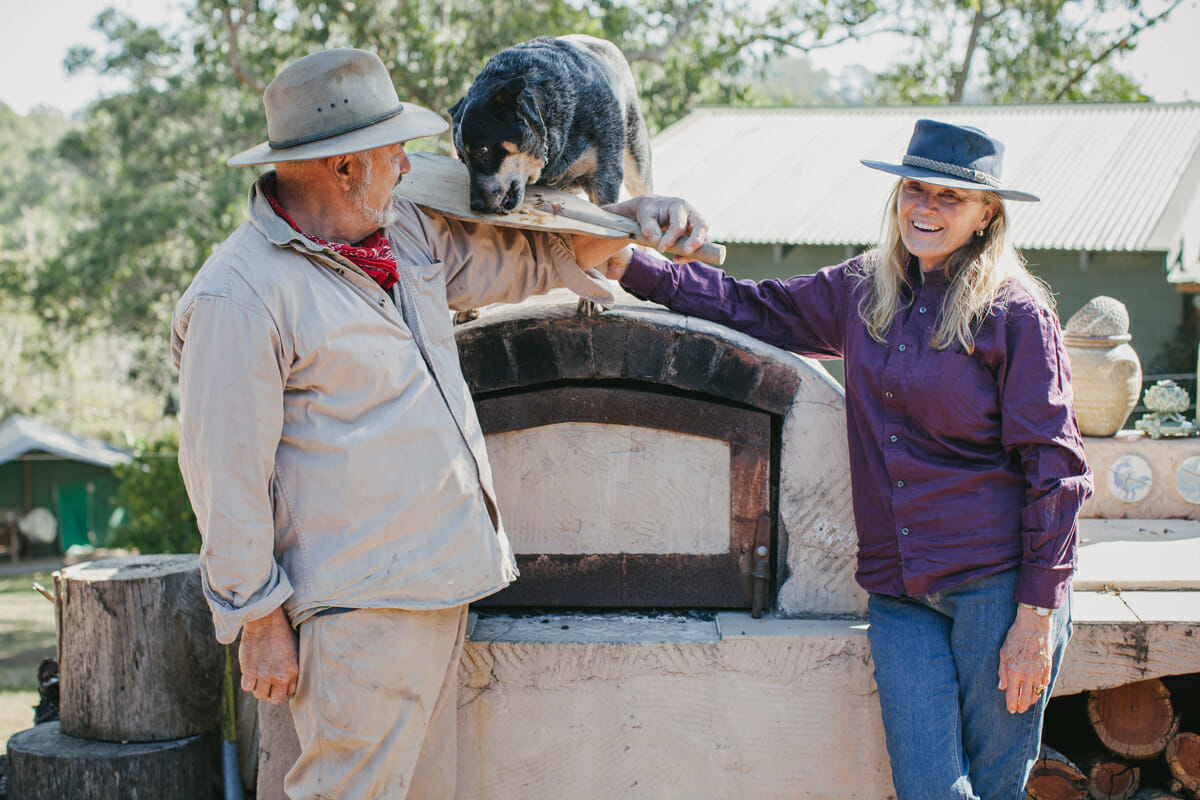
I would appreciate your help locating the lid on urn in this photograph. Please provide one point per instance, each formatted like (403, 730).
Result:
(1102, 318)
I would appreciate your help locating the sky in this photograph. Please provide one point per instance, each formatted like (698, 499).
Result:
(1167, 60)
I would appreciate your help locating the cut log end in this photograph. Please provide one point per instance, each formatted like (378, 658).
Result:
(1110, 779)
(1183, 758)
(1055, 777)
(1136, 720)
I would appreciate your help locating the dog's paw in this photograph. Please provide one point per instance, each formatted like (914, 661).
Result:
(465, 316)
(588, 308)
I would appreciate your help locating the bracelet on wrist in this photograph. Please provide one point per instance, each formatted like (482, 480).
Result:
(1041, 611)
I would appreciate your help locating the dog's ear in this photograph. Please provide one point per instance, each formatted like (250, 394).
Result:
(528, 110)
(456, 109)
(506, 94)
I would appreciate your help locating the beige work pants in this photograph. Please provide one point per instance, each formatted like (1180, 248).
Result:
(375, 707)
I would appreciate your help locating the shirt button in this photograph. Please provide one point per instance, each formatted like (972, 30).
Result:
(888, 395)
(894, 438)
(903, 532)
(903, 348)
(921, 309)
(899, 484)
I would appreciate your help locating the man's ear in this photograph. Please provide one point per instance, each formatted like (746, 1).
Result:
(343, 169)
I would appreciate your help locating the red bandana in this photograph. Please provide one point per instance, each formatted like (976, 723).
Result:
(373, 254)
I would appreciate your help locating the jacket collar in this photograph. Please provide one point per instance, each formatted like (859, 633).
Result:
(274, 227)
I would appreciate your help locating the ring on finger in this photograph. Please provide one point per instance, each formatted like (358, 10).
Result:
(1039, 689)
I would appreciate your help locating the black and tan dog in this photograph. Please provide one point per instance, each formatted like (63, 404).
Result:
(562, 112)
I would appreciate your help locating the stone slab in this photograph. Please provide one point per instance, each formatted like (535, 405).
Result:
(631, 489)
(1138, 554)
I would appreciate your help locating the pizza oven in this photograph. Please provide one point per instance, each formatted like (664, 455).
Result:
(640, 463)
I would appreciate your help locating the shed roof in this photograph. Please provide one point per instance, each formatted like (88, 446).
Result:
(1115, 177)
(20, 435)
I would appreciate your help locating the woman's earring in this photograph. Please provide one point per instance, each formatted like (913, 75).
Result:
(979, 233)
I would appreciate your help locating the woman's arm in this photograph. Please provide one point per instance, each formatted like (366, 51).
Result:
(805, 314)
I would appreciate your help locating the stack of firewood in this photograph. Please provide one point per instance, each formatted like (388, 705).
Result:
(1142, 743)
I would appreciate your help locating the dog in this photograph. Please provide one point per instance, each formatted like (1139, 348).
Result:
(561, 111)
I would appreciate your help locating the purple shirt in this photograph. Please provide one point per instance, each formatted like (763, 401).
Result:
(961, 465)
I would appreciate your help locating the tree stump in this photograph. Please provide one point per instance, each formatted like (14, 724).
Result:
(1055, 777)
(1183, 758)
(1112, 779)
(1135, 720)
(138, 659)
(46, 764)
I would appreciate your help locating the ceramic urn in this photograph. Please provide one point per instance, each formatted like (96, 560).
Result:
(1106, 376)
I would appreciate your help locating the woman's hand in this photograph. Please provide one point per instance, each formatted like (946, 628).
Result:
(665, 222)
(1025, 660)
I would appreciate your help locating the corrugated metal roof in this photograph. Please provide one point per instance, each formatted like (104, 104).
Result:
(1107, 174)
(20, 435)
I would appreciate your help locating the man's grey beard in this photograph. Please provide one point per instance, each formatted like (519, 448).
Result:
(380, 217)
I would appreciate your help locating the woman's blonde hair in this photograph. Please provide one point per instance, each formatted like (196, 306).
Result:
(979, 274)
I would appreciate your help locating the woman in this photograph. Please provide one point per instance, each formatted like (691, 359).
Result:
(966, 462)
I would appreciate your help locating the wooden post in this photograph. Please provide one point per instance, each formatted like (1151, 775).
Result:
(1135, 720)
(1054, 777)
(138, 659)
(1183, 757)
(46, 764)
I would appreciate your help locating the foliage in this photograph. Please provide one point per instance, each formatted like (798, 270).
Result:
(158, 515)
(107, 219)
(1177, 354)
(1015, 51)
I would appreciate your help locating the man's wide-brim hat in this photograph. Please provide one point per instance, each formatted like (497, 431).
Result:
(335, 102)
(953, 155)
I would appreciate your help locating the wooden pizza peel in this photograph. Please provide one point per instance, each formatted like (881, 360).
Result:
(440, 183)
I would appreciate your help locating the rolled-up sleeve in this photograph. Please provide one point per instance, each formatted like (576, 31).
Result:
(231, 413)
(1038, 424)
(496, 264)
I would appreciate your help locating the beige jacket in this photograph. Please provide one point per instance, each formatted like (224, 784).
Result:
(329, 443)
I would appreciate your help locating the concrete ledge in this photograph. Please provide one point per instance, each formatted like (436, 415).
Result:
(1138, 554)
(594, 629)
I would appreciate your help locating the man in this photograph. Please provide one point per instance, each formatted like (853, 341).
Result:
(329, 444)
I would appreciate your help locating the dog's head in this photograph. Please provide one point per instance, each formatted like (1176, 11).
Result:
(500, 136)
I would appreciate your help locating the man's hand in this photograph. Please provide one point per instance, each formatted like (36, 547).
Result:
(267, 655)
(1025, 660)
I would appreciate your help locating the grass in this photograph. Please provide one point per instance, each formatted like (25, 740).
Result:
(26, 636)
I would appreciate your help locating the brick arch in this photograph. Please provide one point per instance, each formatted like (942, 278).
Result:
(544, 341)
(504, 352)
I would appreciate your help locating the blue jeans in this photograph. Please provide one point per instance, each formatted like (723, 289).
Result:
(949, 733)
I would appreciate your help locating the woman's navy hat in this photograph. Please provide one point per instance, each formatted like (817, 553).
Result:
(953, 155)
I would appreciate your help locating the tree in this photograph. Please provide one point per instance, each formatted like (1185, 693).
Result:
(152, 195)
(1016, 51)
(157, 516)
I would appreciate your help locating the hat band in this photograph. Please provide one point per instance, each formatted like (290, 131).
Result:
(966, 173)
(366, 123)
